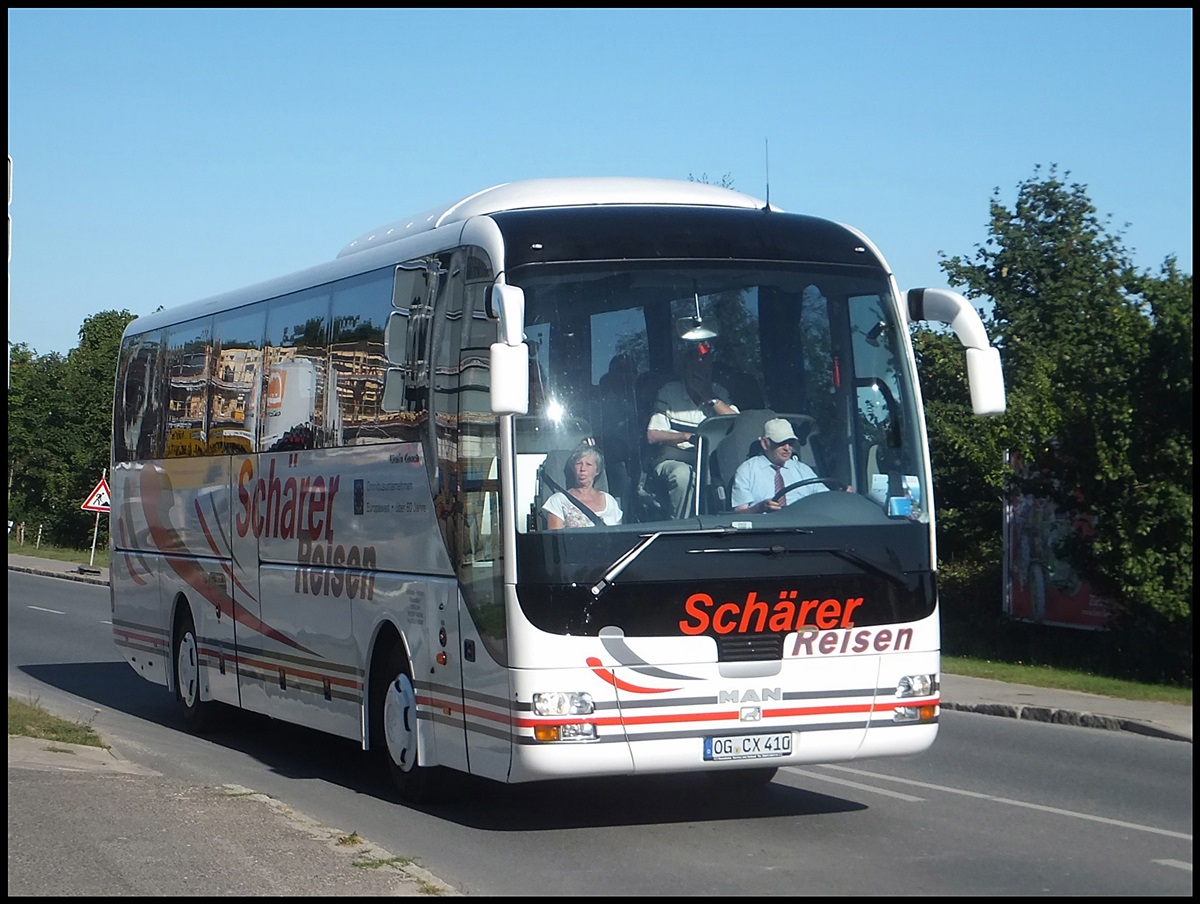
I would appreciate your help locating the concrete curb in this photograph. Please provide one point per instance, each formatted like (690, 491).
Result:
(80, 576)
(1067, 717)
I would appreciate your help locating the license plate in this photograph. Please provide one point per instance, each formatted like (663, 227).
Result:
(748, 747)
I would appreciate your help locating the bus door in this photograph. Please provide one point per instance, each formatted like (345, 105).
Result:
(467, 505)
(188, 517)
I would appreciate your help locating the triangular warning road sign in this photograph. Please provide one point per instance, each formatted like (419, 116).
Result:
(98, 501)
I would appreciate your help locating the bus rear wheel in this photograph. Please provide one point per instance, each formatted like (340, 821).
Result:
(196, 713)
(414, 781)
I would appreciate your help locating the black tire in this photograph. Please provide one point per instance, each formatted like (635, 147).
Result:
(394, 704)
(186, 662)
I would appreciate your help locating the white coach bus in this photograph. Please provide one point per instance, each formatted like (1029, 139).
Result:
(354, 537)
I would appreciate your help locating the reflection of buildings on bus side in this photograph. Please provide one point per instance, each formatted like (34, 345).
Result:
(187, 400)
(224, 410)
(295, 374)
(360, 367)
(294, 413)
(234, 397)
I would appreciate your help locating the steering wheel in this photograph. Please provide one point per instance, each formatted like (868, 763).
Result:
(828, 481)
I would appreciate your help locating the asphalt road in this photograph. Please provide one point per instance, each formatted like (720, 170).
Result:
(89, 821)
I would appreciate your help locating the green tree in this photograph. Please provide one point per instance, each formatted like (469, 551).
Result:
(1147, 553)
(60, 417)
(1081, 335)
(35, 403)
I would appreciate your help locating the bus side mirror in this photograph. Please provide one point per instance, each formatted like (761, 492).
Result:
(983, 361)
(987, 381)
(509, 366)
(509, 362)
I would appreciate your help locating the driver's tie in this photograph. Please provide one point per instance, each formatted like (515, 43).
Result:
(778, 479)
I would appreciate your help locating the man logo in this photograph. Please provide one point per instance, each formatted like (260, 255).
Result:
(767, 693)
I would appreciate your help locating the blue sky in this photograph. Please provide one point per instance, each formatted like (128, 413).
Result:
(161, 156)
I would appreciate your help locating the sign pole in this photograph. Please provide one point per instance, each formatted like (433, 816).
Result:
(95, 533)
(96, 528)
(99, 503)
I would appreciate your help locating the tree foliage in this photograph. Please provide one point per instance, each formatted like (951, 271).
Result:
(1098, 364)
(59, 430)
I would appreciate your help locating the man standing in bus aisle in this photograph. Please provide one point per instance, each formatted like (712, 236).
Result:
(680, 407)
(759, 478)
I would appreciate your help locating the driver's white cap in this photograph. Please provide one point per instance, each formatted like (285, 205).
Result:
(779, 430)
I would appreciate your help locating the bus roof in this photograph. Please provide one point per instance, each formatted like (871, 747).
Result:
(508, 199)
(562, 192)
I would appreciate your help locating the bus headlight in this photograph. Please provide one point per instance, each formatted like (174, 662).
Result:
(567, 731)
(563, 703)
(915, 686)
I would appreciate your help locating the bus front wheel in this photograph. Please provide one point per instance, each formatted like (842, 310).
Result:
(187, 674)
(414, 781)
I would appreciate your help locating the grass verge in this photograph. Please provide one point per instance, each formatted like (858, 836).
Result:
(31, 721)
(1065, 679)
(58, 553)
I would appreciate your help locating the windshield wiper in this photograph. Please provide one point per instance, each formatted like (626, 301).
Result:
(899, 578)
(626, 558)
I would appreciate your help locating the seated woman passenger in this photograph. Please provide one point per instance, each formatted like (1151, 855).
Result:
(568, 509)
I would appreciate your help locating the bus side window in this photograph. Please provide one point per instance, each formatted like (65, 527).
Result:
(236, 384)
(139, 413)
(189, 353)
(300, 404)
(358, 357)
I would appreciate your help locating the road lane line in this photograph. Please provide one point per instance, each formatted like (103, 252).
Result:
(1014, 803)
(1178, 864)
(849, 784)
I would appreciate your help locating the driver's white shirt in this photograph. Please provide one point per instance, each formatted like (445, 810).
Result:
(754, 481)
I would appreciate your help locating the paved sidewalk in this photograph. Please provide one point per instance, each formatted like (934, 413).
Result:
(87, 821)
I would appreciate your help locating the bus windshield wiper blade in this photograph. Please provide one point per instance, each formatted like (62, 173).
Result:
(896, 577)
(626, 558)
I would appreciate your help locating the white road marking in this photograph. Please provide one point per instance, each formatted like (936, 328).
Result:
(51, 611)
(849, 784)
(1002, 800)
(1178, 864)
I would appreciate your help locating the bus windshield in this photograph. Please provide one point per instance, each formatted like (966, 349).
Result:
(664, 393)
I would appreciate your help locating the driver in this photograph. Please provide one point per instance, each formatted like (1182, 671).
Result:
(759, 480)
